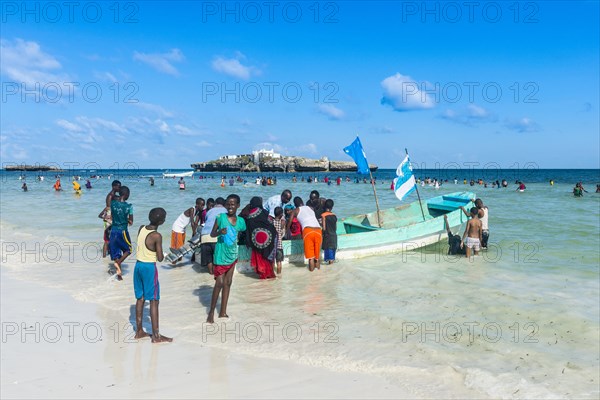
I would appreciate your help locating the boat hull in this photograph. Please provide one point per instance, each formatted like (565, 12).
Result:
(179, 175)
(403, 229)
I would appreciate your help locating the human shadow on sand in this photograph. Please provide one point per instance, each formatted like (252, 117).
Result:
(146, 322)
(204, 293)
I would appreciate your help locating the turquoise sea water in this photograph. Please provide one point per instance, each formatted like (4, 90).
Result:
(519, 321)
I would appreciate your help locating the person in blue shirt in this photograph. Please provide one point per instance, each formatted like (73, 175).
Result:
(207, 248)
(120, 241)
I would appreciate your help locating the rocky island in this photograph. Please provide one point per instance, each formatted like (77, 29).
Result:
(25, 167)
(269, 161)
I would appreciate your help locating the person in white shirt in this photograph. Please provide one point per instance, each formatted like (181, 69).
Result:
(277, 201)
(311, 232)
(483, 216)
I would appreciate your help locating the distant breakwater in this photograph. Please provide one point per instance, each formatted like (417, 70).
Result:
(280, 164)
(25, 167)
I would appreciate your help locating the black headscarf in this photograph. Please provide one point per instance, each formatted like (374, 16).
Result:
(259, 227)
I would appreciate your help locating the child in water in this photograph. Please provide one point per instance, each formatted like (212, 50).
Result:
(145, 276)
(329, 224)
(226, 228)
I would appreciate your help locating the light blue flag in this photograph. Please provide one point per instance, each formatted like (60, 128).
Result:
(404, 183)
(355, 150)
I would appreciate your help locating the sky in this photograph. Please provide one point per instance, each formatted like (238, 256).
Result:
(165, 84)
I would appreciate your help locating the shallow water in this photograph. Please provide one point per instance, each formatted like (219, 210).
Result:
(519, 321)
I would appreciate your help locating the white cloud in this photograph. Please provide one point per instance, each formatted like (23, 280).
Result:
(161, 62)
(308, 148)
(203, 143)
(332, 112)
(186, 131)
(155, 108)
(25, 62)
(12, 152)
(85, 130)
(402, 93)
(71, 127)
(106, 76)
(382, 130)
(163, 126)
(233, 67)
(470, 116)
(522, 125)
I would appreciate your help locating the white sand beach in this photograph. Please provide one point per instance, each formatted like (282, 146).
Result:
(56, 347)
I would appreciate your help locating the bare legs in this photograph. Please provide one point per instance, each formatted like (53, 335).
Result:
(139, 312)
(222, 282)
(118, 263)
(314, 263)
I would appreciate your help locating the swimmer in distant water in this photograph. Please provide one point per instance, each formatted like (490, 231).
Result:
(24, 187)
(521, 186)
(76, 187)
(57, 185)
(578, 190)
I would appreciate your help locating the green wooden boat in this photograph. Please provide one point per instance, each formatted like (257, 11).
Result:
(402, 229)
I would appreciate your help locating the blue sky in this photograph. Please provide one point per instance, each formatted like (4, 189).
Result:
(157, 84)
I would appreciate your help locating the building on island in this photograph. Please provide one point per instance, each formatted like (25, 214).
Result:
(259, 155)
(229, 157)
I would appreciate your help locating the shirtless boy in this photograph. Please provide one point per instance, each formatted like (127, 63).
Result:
(472, 233)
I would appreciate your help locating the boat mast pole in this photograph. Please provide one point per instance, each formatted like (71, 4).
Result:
(375, 193)
(418, 195)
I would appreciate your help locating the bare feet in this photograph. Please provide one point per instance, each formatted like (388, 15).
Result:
(210, 319)
(141, 334)
(119, 272)
(158, 338)
(223, 316)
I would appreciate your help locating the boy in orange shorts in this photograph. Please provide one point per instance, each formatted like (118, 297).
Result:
(311, 232)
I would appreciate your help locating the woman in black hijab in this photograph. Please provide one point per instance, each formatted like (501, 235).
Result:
(260, 237)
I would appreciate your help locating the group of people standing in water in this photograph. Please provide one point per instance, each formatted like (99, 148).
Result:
(260, 226)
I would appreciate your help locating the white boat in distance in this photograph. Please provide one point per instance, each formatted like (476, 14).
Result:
(178, 174)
